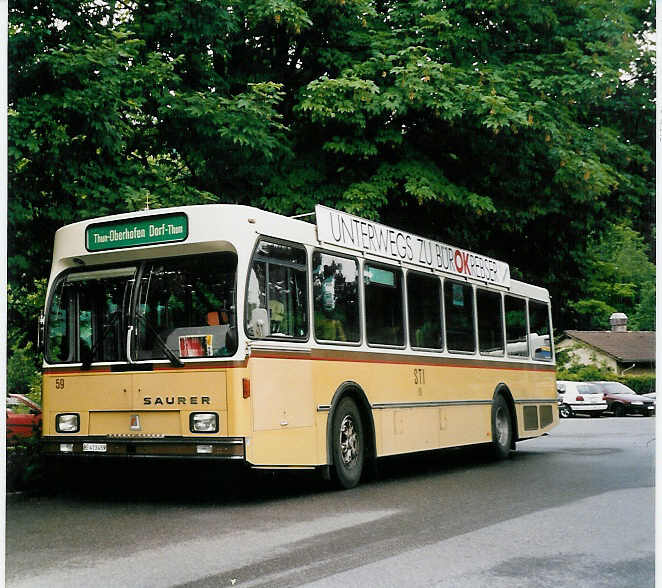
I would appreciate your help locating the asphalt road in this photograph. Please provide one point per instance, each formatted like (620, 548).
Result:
(574, 508)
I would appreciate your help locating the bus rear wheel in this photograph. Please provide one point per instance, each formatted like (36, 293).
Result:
(348, 444)
(502, 428)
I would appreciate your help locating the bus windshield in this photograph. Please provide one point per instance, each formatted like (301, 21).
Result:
(184, 307)
(187, 304)
(85, 319)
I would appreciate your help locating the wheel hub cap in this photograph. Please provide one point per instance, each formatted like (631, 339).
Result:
(349, 441)
(502, 426)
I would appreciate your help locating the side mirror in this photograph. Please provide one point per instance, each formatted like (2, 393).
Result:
(41, 321)
(259, 323)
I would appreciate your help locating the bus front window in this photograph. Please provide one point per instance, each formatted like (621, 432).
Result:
(85, 317)
(186, 307)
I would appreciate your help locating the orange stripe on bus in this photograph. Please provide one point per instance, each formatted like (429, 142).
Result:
(339, 357)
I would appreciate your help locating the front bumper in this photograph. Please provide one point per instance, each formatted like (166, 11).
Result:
(223, 448)
(646, 409)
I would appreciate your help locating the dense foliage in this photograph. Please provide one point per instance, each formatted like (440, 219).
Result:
(619, 278)
(519, 129)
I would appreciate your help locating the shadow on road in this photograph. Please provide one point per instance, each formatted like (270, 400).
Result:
(206, 482)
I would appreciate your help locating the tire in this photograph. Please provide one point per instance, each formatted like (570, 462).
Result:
(618, 410)
(347, 444)
(565, 412)
(502, 428)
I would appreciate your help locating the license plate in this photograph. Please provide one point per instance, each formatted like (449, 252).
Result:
(95, 447)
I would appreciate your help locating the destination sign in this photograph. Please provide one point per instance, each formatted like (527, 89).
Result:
(359, 234)
(150, 230)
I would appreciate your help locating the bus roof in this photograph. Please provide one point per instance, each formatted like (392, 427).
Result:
(231, 227)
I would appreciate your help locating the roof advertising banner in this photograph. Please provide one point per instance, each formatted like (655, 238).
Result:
(346, 230)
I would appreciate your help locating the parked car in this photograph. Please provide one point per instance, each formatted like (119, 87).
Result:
(23, 418)
(622, 400)
(580, 398)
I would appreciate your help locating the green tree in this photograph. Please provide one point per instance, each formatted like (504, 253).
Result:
(101, 122)
(508, 127)
(620, 278)
(644, 315)
(24, 305)
(515, 128)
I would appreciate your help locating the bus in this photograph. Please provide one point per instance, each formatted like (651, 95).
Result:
(224, 332)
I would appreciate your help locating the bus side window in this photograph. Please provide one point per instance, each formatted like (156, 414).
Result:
(516, 334)
(540, 331)
(276, 299)
(459, 307)
(490, 325)
(384, 313)
(424, 305)
(335, 298)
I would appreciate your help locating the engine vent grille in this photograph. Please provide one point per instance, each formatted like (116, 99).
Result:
(530, 418)
(546, 415)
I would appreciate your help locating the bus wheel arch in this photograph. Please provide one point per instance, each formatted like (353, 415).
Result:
(353, 391)
(503, 391)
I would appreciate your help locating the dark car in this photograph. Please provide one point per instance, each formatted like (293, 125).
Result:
(622, 400)
(23, 418)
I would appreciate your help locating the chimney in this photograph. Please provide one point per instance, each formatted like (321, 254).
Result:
(618, 322)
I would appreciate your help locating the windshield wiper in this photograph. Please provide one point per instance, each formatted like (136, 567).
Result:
(174, 360)
(89, 355)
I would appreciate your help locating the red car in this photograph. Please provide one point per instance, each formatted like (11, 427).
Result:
(23, 418)
(622, 400)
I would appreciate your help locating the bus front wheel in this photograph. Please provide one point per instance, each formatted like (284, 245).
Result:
(502, 428)
(348, 443)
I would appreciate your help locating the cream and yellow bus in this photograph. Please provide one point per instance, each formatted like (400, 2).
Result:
(226, 332)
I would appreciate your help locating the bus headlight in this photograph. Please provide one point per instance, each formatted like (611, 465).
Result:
(67, 423)
(204, 422)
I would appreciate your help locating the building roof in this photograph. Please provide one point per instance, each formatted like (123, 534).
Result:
(623, 346)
